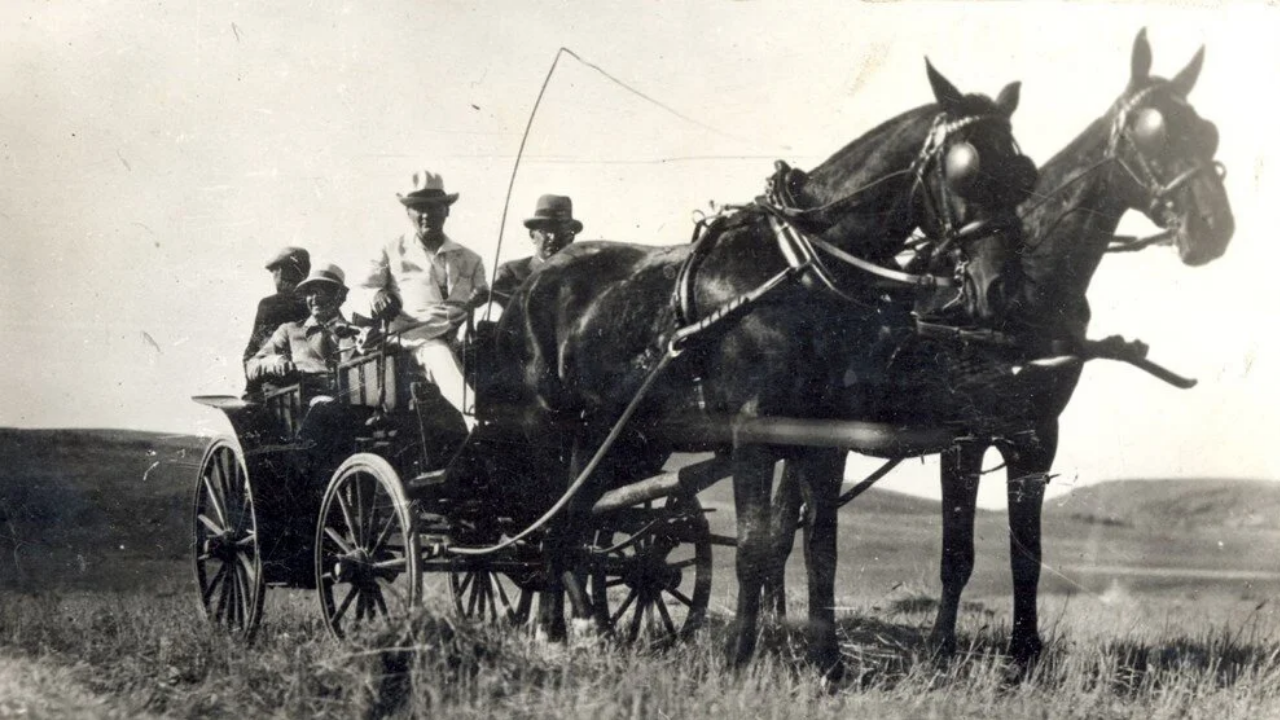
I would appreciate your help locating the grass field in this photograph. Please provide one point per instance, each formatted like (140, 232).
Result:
(1158, 601)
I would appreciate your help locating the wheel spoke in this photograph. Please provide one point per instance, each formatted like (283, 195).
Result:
(399, 563)
(214, 500)
(213, 584)
(524, 607)
(346, 603)
(465, 582)
(390, 588)
(210, 524)
(392, 522)
(345, 507)
(375, 593)
(682, 564)
(675, 593)
(622, 609)
(337, 539)
(641, 607)
(666, 616)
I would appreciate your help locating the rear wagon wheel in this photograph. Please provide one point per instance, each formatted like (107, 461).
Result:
(228, 560)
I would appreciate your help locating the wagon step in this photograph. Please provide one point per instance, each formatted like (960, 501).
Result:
(429, 479)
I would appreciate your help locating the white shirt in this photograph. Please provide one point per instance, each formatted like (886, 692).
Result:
(432, 286)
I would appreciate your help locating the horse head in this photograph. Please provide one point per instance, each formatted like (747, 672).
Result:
(969, 178)
(1166, 150)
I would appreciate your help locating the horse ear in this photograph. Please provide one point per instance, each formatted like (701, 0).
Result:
(943, 91)
(1007, 101)
(1140, 63)
(1186, 79)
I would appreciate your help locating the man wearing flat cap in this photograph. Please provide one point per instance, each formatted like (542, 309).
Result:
(287, 267)
(426, 285)
(552, 228)
(308, 350)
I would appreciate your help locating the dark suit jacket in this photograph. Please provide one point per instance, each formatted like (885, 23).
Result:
(274, 311)
(510, 276)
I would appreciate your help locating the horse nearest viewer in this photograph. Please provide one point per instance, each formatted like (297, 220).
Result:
(764, 306)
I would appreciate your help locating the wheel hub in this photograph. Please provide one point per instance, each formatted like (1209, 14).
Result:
(354, 567)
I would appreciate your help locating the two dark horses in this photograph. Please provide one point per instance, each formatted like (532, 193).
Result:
(581, 337)
(1149, 152)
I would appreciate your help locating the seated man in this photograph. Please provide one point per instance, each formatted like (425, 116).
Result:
(427, 285)
(307, 351)
(552, 228)
(288, 268)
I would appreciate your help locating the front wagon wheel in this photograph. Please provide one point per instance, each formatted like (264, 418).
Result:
(367, 563)
(228, 560)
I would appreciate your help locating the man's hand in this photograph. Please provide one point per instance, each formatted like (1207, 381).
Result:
(386, 305)
(282, 367)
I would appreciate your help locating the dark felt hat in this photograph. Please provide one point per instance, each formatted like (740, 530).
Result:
(428, 189)
(553, 210)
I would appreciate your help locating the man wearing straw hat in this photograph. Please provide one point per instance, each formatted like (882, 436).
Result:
(552, 228)
(307, 350)
(426, 286)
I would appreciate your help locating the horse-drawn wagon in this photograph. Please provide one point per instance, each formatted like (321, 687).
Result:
(352, 495)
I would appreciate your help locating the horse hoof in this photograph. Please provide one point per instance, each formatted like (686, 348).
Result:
(941, 648)
(1024, 653)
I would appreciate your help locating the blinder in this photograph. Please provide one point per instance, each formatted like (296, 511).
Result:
(1149, 130)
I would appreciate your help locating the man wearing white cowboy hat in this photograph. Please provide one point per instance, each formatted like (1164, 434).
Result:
(426, 286)
(288, 268)
(308, 350)
(552, 228)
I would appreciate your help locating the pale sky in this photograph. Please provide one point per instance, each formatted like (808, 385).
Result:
(154, 155)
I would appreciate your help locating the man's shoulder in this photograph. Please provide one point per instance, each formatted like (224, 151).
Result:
(520, 268)
(454, 247)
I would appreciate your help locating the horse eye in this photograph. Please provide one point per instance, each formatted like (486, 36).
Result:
(1149, 129)
(961, 167)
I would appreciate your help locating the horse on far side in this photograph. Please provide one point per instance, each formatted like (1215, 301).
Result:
(1151, 152)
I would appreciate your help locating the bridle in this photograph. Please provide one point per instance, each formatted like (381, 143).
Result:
(1139, 169)
(804, 251)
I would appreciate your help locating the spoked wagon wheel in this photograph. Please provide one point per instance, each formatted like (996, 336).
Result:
(367, 564)
(651, 578)
(227, 554)
(492, 596)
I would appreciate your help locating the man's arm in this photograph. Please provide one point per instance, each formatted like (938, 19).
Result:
(386, 301)
(259, 332)
(273, 359)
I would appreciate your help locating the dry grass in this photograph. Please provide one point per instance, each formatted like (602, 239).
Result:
(154, 656)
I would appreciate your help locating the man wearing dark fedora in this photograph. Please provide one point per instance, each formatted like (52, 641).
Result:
(426, 284)
(308, 350)
(552, 228)
(287, 267)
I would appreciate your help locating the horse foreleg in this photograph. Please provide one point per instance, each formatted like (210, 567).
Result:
(961, 467)
(752, 480)
(1029, 464)
(821, 471)
(787, 500)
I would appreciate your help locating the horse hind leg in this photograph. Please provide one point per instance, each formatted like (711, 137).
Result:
(1029, 462)
(961, 468)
